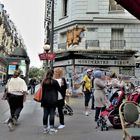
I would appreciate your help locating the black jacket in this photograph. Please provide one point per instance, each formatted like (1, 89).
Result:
(50, 94)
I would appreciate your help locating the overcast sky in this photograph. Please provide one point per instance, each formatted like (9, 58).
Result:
(28, 16)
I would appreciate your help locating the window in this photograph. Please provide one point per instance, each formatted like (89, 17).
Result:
(113, 6)
(65, 8)
(117, 39)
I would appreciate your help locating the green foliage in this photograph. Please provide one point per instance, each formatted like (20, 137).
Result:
(37, 73)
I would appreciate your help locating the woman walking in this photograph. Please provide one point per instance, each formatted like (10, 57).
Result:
(99, 93)
(50, 88)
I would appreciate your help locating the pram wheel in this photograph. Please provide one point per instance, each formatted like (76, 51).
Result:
(106, 128)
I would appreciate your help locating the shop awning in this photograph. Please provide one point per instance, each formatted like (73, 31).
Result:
(132, 6)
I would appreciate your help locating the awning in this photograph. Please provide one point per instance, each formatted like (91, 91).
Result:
(132, 6)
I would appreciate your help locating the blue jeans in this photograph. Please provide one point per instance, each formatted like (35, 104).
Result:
(49, 112)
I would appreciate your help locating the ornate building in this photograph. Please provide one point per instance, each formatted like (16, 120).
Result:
(109, 38)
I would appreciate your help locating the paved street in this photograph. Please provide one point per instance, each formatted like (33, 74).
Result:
(78, 126)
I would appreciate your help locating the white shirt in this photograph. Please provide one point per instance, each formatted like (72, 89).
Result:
(16, 86)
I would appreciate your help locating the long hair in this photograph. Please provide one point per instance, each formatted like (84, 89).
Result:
(64, 82)
(48, 77)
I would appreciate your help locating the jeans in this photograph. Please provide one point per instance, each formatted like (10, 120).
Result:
(61, 114)
(49, 112)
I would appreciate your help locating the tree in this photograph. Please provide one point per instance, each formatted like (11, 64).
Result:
(37, 73)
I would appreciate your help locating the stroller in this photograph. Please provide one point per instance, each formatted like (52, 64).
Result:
(135, 96)
(112, 112)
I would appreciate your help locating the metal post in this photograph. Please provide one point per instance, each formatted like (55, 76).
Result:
(52, 31)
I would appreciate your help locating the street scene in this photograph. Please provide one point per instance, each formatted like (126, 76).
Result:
(70, 69)
(78, 125)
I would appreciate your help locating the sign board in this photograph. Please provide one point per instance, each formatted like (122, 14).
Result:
(47, 56)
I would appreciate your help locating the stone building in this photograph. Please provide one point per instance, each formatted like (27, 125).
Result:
(94, 33)
(10, 41)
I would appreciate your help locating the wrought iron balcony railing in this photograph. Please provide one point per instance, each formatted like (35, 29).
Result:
(117, 44)
(92, 44)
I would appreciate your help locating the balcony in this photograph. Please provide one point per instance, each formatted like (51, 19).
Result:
(62, 46)
(117, 44)
(92, 44)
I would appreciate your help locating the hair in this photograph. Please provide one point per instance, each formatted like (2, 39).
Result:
(49, 76)
(17, 73)
(114, 75)
(64, 81)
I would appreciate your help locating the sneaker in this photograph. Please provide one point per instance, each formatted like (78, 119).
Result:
(86, 113)
(14, 120)
(53, 130)
(61, 126)
(46, 130)
(11, 126)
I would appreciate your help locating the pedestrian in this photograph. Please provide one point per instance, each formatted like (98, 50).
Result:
(32, 84)
(16, 92)
(50, 88)
(61, 103)
(87, 89)
(92, 102)
(99, 93)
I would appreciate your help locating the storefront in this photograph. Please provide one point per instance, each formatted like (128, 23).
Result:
(77, 62)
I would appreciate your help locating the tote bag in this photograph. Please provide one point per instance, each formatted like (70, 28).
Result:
(38, 95)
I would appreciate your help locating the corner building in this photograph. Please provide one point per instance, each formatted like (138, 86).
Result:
(95, 33)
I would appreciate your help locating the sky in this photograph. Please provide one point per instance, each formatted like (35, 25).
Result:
(28, 17)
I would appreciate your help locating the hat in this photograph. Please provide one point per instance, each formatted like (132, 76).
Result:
(98, 74)
(89, 70)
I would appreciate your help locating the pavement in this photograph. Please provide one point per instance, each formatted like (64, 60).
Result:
(78, 126)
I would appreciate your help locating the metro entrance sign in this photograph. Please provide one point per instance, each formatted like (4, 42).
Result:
(47, 56)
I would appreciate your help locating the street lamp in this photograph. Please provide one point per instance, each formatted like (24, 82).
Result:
(46, 48)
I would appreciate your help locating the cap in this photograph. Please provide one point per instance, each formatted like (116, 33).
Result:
(89, 70)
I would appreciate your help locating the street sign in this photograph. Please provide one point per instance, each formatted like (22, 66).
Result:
(47, 56)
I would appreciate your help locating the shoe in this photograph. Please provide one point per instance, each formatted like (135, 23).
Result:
(86, 113)
(53, 130)
(11, 126)
(14, 120)
(61, 126)
(46, 130)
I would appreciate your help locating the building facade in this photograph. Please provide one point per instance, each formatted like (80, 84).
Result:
(94, 33)
(10, 41)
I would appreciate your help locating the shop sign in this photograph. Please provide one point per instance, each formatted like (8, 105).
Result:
(104, 62)
(47, 56)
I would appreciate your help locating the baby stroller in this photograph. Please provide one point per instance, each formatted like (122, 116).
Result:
(67, 110)
(112, 112)
(135, 96)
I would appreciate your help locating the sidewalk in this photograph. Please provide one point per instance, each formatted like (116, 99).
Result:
(78, 126)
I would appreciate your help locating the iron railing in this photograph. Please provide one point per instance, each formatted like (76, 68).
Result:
(117, 44)
(91, 44)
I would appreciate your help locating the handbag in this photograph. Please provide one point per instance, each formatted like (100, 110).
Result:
(59, 96)
(38, 95)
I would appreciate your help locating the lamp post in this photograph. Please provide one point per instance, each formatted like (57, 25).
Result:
(52, 31)
(46, 48)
